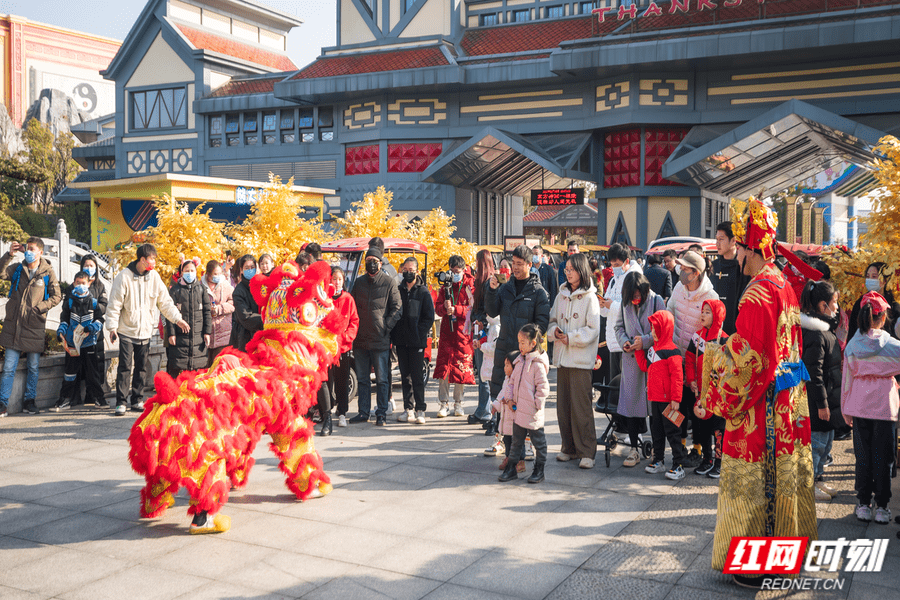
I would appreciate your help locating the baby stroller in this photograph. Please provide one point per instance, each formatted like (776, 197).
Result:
(607, 403)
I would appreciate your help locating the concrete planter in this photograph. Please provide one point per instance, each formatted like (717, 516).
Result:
(52, 370)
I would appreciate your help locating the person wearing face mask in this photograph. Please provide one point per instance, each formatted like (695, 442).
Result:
(549, 277)
(137, 297)
(339, 374)
(876, 281)
(455, 352)
(611, 304)
(377, 298)
(245, 320)
(97, 289)
(188, 350)
(221, 308)
(410, 337)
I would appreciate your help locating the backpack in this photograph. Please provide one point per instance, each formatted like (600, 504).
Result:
(14, 282)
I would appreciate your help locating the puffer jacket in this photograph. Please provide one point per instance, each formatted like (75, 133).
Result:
(346, 307)
(26, 311)
(614, 293)
(685, 306)
(696, 350)
(822, 356)
(416, 319)
(868, 388)
(530, 388)
(221, 307)
(515, 310)
(378, 301)
(662, 362)
(504, 410)
(245, 320)
(578, 315)
(189, 351)
(489, 346)
(135, 302)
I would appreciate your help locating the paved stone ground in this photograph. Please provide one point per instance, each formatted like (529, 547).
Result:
(417, 512)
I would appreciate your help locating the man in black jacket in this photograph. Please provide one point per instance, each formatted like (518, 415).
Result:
(547, 274)
(378, 304)
(659, 277)
(519, 301)
(727, 278)
(410, 338)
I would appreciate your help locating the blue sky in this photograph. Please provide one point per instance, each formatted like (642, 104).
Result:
(114, 18)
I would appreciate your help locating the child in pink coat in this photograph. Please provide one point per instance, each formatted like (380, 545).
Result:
(529, 388)
(505, 414)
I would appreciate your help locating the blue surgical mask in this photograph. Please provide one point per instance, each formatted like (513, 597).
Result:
(249, 273)
(81, 290)
(457, 277)
(30, 257)
(90, 271)
(617, 271)
(873, 285)
(536, 260)
(189, 276)
(217, 279)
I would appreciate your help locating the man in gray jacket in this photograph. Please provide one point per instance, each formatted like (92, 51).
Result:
(137, 297)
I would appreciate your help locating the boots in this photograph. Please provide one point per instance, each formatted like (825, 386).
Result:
(510, 472)
(537, 475)
(327, 425)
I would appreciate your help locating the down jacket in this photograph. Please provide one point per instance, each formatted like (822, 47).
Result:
(822, 356)
(868, 388)
(417, 318)
(662, 362)
(346, 307)
(190, 351)
(221, 307)
(135, 302)
(515, 310)
(529, 389)
(505, 411)
(696, 350)
(614, 293)
(245, 320)
(685, 306)
(26, 311)
(455, 353)
(578, 315)
(378, 302)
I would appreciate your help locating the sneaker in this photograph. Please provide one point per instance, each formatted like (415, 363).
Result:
(342, 421)
(634, 458)
(390, 407)
(420, 417)
(379, 421)
(31, 407)
(61, 405)
(716, 472)
(102, 403)
(863, 513)
(821, 485)
(443, 411)
(529, 450)
(675, 473)
(657, 467)
(563, 457)
(693, 460)
(586, 463)
(3, 412)
(360, 418)
(882, 515)
(407, 416)
(120, 410)
(138, 406)
(705, 467)
(458, 410)
(822, 496)
(829, 460)
(497, 449)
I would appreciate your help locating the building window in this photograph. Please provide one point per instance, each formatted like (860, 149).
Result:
(308, 137)
(408, 4)
(588, 7)
(554, 12)
(159, 109)
(327, 136)
(306, 118)
(269, 121)
(370, 6)
(233, 130)
(520, 16)
(488, 20)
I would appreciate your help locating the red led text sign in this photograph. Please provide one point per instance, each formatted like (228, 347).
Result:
(561, 197)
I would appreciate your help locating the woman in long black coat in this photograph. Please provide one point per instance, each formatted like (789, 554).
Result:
(187, 351)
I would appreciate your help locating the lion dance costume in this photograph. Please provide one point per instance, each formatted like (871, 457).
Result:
(199, 431)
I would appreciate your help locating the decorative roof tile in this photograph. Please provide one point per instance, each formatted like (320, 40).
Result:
(374, 62)
(214, 43)
(244, 87)
(497, 59)
(538, 35)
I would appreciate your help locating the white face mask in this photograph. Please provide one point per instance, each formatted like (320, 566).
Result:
(678, 270)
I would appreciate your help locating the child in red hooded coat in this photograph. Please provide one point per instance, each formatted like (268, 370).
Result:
(665, 378)
(708, 426)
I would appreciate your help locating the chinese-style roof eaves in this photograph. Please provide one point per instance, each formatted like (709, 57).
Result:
(374, 62)
(244, 87)
(203, 40)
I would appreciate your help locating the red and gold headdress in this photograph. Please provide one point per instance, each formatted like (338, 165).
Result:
(754, 225)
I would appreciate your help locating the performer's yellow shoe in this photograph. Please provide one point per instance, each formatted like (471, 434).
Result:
(213, 524)
(321, 490)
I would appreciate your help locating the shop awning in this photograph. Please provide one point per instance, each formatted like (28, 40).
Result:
(508, 163)
(780, 148)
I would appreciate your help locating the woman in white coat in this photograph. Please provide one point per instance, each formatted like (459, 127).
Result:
(575, 332)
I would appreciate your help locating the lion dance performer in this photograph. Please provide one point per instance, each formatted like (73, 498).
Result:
(199, 431)
(756, 382)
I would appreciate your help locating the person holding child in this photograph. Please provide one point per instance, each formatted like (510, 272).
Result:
(665, 377)
(80, 321)
(869, 403)
(529, 388)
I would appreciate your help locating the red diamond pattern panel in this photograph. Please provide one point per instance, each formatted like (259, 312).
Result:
(412, 158)
(622, 159)
(361, 160)
(658, 145)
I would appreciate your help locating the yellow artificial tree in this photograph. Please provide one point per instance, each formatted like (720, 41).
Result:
(436, 232)
(371, 217)
(273, 225)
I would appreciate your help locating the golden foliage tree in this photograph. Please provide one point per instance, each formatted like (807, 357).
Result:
(882, 240)
(274, 226)
(179, 234)
(371, 217)
(436, 232)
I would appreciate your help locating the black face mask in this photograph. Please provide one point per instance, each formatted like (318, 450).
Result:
(372, 267)
(409, 276)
